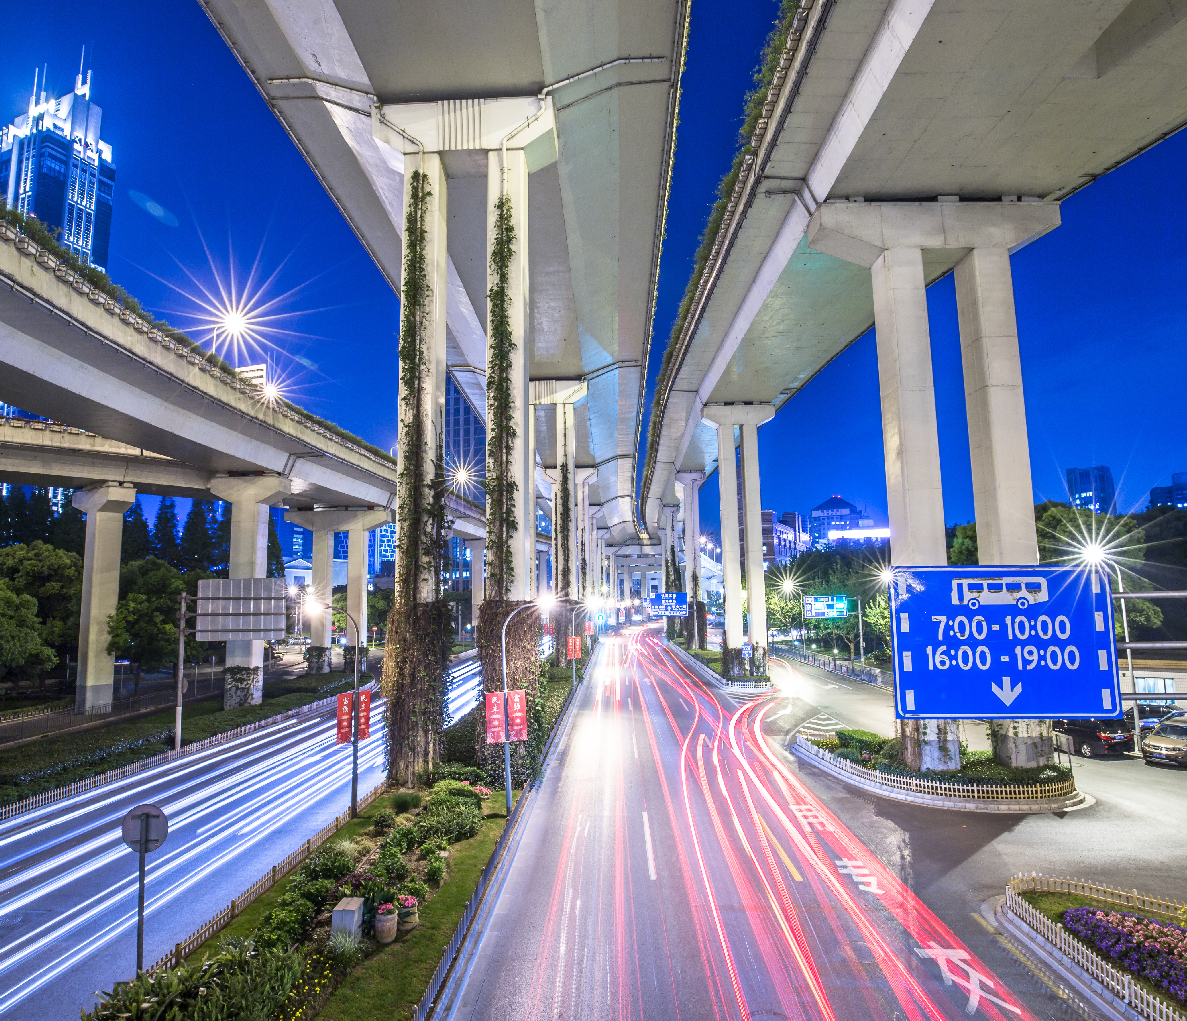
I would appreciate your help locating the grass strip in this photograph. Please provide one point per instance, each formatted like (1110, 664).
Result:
(391, 982)
(56, 761)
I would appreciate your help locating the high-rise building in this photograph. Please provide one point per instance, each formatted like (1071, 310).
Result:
(54, 166)
(1092, 489)
(1174, 495)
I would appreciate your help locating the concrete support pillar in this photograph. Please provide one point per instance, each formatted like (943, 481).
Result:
(570, 442)
(690, 483)
(583, 476)
(249, 497)
(477, 576)
(104, 507)
(321, 589)
(356, 524)
(429, 412)
(731, 566)
(512, 181)
(529, 532)
(756, 582)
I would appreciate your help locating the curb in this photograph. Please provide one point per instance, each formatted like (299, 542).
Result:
(1069, 804)
(1085, 986)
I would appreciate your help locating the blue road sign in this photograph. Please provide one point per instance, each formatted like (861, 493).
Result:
(830, 607)
(669, 604)
(1003, 643)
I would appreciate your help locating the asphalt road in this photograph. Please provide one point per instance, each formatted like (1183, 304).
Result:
(673, 865)
(68, 884)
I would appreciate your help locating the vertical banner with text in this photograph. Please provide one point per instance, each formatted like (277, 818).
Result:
(574, 647)
(589, 627)
(496, 731)
(364, 715)
(345, 708)
(517, 713)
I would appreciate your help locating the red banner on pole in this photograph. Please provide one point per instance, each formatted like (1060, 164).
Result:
(589, 627)
(517, 712)
(364, 714)
(574, 648)
(496, 731)
(345, 708)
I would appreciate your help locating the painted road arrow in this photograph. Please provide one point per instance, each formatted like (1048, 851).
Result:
(1005, 692)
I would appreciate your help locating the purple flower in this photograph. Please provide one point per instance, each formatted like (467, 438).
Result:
(1152, 949)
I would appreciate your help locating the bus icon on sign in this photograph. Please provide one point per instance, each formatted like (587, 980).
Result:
(972, 592)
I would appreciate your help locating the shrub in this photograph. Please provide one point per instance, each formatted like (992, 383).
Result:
(435, 871)
(346, 949)
(240, 982)
(448, 818)
(453, 771)
(862, 740)
(315, 891)
(329, 863)
(405, 801)
(458, 742)
(403, 838)
(414, 888)
(347, 847)
(286, 924)
(433, 847)
(455, 789)
(390, 865)
(849, 754)
(384, 821)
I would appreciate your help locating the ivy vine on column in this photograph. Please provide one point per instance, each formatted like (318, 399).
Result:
(501, 486)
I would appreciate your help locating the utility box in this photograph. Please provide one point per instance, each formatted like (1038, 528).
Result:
(348, 917)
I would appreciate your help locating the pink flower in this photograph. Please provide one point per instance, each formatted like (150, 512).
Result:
(384, 909)
(406, 901)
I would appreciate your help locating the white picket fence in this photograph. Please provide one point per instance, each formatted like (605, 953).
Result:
(132, 768)
(1117, 981)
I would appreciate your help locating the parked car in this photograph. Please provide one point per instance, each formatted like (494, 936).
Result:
(1152, 715)
(1094, 737)
(1168, 743)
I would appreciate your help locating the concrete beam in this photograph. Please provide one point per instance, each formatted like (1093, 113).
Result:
(104, 507)
(859, 232)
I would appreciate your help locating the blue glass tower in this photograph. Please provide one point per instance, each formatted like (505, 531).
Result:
(54, 166)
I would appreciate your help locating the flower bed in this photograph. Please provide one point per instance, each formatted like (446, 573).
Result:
(1152, 949)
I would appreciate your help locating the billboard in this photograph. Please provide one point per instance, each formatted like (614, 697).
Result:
(1003, 643)
(826, 607)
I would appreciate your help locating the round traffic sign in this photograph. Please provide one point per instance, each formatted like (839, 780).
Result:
(133, 827)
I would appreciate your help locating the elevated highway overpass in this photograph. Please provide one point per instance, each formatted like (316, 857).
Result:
(901, 141)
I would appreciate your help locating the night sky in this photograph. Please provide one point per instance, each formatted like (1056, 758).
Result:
(1100, 301)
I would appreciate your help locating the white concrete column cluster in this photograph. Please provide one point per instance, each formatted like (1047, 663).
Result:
(104, 507)
(746, 417)
(690, 486)
(890, 239)
(249, 498)
(357, 523)
(477, 549)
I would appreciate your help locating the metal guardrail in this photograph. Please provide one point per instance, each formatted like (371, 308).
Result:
(939, 788)
(1120, 983)
(872, 675)
(132, 768)
(261, 886)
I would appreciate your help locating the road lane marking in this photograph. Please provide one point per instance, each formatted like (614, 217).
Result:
(635, 743)
(650, 856)
(795, 873)
(865, 879)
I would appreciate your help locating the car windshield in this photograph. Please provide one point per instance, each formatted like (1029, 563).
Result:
(1172, 730)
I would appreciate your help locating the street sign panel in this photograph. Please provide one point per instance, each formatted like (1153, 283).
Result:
(496, 730)
(240, 609)
(826, 607)
(747, 650)
(158, 827)
(1003, 643)
(669, 604)
(517, 715)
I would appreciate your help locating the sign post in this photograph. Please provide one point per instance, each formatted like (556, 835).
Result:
(1003, 643)
(144, 829)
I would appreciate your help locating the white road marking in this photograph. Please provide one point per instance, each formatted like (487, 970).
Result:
(635, 744)
(650, 856)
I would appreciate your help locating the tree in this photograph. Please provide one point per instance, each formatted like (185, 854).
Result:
(53, 579)
(69, 531)
(275, 552)
(962, 545)
(18, 513)
(165, 546)
(196, 549)
(40, 517)
(222, 540)
(144, 625)
(5, 522)
(21, 647)
(136, 543)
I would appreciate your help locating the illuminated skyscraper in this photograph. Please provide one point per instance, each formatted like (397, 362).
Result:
(54, 166)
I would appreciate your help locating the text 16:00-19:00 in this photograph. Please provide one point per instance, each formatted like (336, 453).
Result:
(1017, 628)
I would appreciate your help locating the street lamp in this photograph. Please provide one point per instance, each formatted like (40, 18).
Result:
(315, 607)
(544, 603)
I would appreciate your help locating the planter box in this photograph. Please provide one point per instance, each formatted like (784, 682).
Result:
(348, 917)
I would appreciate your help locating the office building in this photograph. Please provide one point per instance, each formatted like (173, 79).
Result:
(783, 539)
(1092, 489)
(464, 443)
(54, 166)
(1174, 495)
(837, 521)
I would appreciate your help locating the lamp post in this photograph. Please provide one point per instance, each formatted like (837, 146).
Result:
(506, 721)
(314, 607)
(1097, 557)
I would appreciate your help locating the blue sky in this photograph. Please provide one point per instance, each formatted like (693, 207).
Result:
(1100, 301)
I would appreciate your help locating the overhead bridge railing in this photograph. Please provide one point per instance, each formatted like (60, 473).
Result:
(1128, 646)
